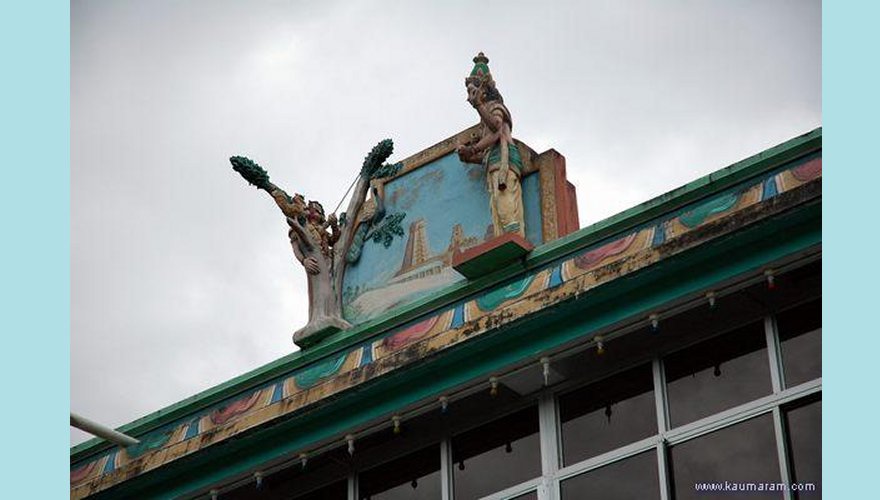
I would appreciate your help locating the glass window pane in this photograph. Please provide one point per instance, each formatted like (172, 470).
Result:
(634, 477)
(800, 337)
(413, 477)
(717, 374)
(804, 425)
(608, 414)
(496, 456)
(734, 456)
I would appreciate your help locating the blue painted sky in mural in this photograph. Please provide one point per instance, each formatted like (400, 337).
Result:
(443, 193)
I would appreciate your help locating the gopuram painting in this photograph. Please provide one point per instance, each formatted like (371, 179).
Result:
(407, 224)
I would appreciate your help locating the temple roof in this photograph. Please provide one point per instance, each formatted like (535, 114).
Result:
(697, 217)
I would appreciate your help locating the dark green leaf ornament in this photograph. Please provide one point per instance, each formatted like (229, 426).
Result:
(253, 173)
(373, 163)
(388, 229)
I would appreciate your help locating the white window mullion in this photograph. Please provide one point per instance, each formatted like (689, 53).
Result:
(660, 397)
(446, 488)
(546, 490)
(352, 486)
(549, 432)
(777, 377)
(662, 407)
(663, 470)
(781, 448)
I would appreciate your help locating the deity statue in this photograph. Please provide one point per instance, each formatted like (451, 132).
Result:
(324, 245)
(495, 150)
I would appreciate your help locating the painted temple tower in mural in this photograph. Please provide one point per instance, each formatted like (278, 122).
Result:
(467, 340)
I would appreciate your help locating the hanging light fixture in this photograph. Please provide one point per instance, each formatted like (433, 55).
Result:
(493, 386)
(710, 296)
(600, 345)
(303, 459)
(349, 438)
(444, 404)
(654, 318)
(395, 421)
(545, 364)
(770, 274)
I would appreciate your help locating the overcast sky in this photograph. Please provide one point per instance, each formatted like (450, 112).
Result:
(182, 276)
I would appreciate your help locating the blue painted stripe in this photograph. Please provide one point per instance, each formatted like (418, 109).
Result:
(556, 277)
(367, 354)
(193, 429)
(110, 466)
(659, 234)
(278, 393)
(458, 316)
(770, 189)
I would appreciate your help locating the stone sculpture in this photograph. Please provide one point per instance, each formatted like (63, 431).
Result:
(495, 150)
(324, 244)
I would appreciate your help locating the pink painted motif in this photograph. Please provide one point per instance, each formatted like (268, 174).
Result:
(222, 415)
(411, 334)
(589, 259)
(808, 171)
(80, 473)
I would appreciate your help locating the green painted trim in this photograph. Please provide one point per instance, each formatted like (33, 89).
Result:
(701, 188)
(684, 274)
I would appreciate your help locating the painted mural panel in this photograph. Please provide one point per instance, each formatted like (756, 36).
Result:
(447, 210)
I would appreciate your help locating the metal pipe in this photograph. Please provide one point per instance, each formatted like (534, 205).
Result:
(101, 431)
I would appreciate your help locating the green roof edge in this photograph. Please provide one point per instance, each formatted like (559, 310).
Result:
(702, 187)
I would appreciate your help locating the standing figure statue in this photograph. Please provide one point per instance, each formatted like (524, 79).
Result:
(496, 150)
(320, 243)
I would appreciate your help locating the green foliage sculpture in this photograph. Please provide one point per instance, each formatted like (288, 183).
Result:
(253, 173)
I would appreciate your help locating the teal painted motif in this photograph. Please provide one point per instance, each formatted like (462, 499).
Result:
(311, 376)
(695, 216)
(515, 159)
(498, 296)
(151, 441)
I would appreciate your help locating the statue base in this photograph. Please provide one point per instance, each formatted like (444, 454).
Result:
(316, 331)
(491, 256)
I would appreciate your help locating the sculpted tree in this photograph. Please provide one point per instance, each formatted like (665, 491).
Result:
(324, 245)
(496, 150)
